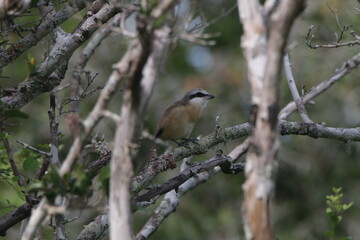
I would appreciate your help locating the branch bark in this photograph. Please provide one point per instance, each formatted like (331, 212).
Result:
(345, 69)
(42, 30)
(144, 72)
(293, 89)
(265, 35)
(172, 199)
(49, 74)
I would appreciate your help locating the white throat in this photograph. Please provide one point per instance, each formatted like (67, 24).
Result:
(201, 103)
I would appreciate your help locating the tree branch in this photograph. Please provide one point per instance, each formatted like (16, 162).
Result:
(12, 218)
(135, 99)
(264, 39)
(97, 229)
(167, 160)
(63, 49)
(172, 199)
(42, 30)
(293, 89)
(175, 182)
(345, 69)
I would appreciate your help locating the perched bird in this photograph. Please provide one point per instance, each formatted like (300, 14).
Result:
(179, 119)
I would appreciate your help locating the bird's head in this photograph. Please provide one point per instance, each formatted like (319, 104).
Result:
(198, 97)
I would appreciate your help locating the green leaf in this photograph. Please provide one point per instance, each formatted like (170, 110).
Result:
(104, 178)
(31, 64)
(54, 177)
(21, 195)
(82, 182)
(346, 238)
(330, 233)
(347, 206)
(328, 210)
(35, 186)
(30, 164)
(337, 190)
(4, 135)
(15, 178)
(15, 113)
(3, 42)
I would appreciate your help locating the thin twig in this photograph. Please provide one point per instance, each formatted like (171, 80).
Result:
(15, 169)
(293, 89)
(27, 146)
(345, 69)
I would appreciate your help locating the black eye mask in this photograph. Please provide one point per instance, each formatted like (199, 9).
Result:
(198, 94)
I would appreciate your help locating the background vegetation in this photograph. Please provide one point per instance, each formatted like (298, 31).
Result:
(306, 169)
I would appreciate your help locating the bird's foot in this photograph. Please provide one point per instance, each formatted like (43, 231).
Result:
(184, 142)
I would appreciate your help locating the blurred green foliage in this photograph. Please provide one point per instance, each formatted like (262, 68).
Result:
(335, 209)
(306, 168)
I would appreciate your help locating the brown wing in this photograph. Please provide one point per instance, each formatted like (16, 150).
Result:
(177, 121)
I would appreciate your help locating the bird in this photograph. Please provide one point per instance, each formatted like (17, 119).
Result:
(180, 118)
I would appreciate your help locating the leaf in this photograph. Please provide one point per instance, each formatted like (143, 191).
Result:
(15, 178)
(347, 206)
(328, 210)
(21, 195)
(4, 135)
(337, 190)
(330, 233)
(35, 186)
(3, 42)
(82, 181)
(104, 178)
(30, 164)
(31, 64)
(15, 113)
(346, 238)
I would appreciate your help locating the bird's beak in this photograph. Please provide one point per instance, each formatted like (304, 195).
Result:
(209, 96)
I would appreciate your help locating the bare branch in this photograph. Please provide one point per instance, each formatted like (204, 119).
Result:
(263, 42)
(36, 218)
(167, 160)
(85, 56)
(320, 131)
(16, 216)
(14, 168)
(345, 69)
(175, 182)
(333, 45)
(59, 54)
(293, 89)
(42, 30)
(54, 131)
(46, 154)
(136, 96)
(97, 229)
(337, 43)
(172, 199)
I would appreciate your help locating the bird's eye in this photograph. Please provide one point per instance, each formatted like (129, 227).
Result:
(197, 94)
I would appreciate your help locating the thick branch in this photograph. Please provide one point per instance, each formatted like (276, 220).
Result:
(42, 30)
(63, 49)
(175, 182)
(14, 217)
(167, 160)
(319, 131)
(97, 229)
(172, 198)
(264, 63)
